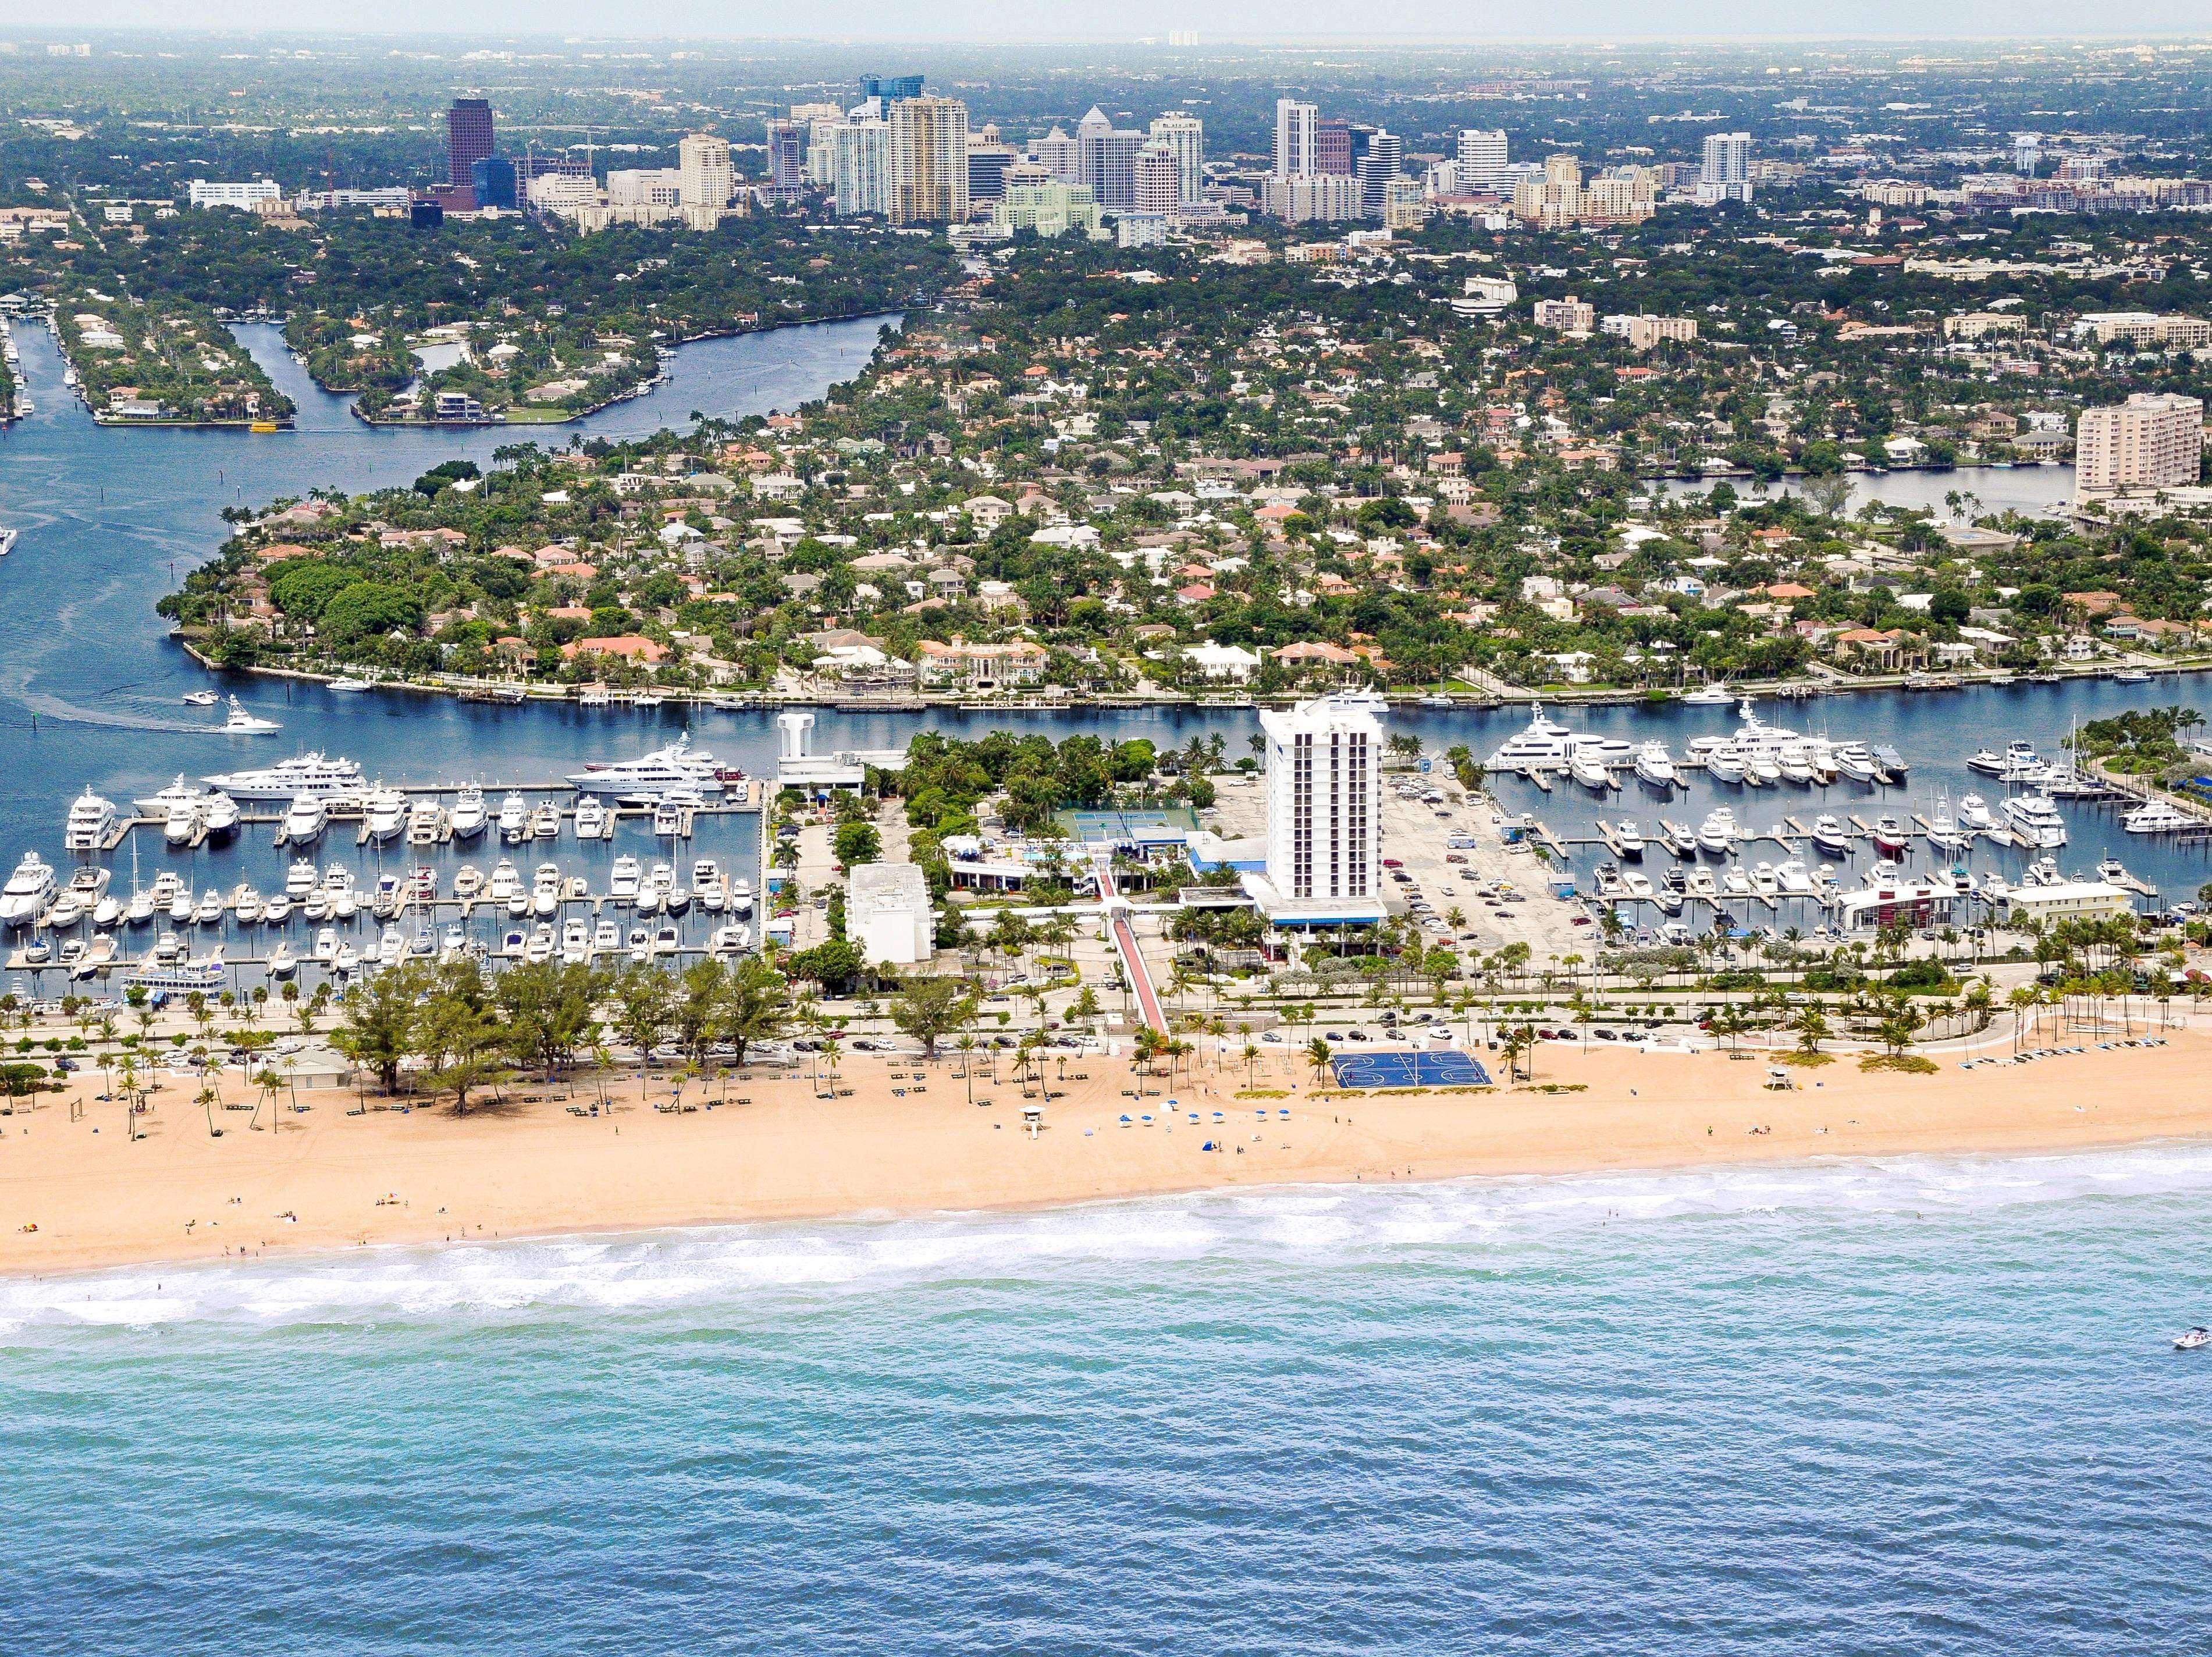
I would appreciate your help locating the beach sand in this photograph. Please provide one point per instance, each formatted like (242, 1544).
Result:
(518, 1169)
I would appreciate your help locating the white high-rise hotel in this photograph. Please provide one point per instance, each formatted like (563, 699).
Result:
(1324, 813)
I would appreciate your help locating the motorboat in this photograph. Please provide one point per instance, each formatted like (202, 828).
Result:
(422, 886)
(385, 901)
(1794, 878)
(139, 911)
(1628, 840)
(219, 814)
(1829, 834)
(36, 952)
(538, 950)
(545, 889)
(650, 775)
(241, 723)
(666, 939)
(1725, 763)
(282, 962)
(506, 880)
(545, 821)
(704, 872)
(724, 940)
(387, 810)
(276, 910)
(1891, 837)
(1794, 760)
(108, 912)
(1718, 832)
(181, 825)
(668, 817)
(2189, 1340)
(575, 943)
(90, 818)
(741, 896)
(513, 941)
(425, 819)
(1853, 759)
(468, 817)
(2036, 820)
(1735, 881)
(2157, 817)
(1700, 883)
(675, 899)
(1761, 770)
(2113, 872)
(1974, 814)
(622, 879)
(68, 910)
(26, 892)
(181, 905)
(1544, 745)
(606, 938)
(1655, 766)
(316, 905)
(591, 818)
(201, 698)
(202, 975)
(1763, 880)
(87, 884)
(390, 945)
(305, 820)
(1943, 829)
(209, 910)
(1710, 695)
(345, 684)
(1636, 885)
(246, 905)
(346, 961)
(326, 946)
(301, 878)
(468, 881)
(514, 818)
(2019, 759)
(329, 779)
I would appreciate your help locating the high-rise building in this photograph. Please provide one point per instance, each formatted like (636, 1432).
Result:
(929, 160)
(787, 160)
(1294, 138)
(861, 171)
(1333, 148)
(1482, 162)
(1060, 155)
(491, 183)
(1724, 175)
(988, 162)
(1158, 181)
(707, 176)
(2155, 440)
(1106, 159)
(1185, 138)
(1324, 806)
(1377, 169)
(1324, 197)
(468, 137)
(890, 88)
(1553, 198)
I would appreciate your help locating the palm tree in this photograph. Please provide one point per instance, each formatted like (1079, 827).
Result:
(1251, 1058)
(966, 1044)
(206, 1102)
(1317, 1057)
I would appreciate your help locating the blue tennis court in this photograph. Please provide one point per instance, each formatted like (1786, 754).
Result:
(1446, 1068)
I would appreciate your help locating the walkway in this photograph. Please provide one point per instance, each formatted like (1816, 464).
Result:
(1134, 973)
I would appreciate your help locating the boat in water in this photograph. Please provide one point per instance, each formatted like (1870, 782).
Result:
(1655, 766)
(387, 810)
(305, 819)
(646, 779)
(1829, 834)
(1974, 814)
(1718, 832)
(305, 774)
(2036, 820)
(2157, 817)
(90, 818)
(26, 892)
(469, 815)
(1712, 696)
(241, 723)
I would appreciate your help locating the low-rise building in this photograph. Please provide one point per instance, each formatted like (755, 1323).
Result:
(887, 913)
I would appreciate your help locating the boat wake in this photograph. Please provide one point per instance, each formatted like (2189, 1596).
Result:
(1480, 1223)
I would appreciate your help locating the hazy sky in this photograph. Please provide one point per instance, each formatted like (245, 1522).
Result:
(1222, 20)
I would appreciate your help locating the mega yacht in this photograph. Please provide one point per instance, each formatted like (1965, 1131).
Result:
(469, 815)
(1655, 766)
(514, 818)
(305, 820)
(1717, 832)
(307, 774)
(220, 814)
(1852, 760)
(387, 813)
(649, 776)
(182, 823)
(1725, 763)
(243, 724)
(1545, 745)
(2157, 817)
(2035, 819)
(1830, 834)
(89, 819)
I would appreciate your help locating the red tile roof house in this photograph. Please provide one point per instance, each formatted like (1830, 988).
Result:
(629, 646)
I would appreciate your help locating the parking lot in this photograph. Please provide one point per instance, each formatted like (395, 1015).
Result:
(1501, 894)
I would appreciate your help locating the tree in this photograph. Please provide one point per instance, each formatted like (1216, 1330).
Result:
(698, 1007)
(857, 843)
(756, 1006)
(547, 1008)
(930, 1009)
(380, 1019)
(1317, 1057)
(643, 1009)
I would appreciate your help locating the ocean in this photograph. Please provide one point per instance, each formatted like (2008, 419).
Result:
(1878, 1407)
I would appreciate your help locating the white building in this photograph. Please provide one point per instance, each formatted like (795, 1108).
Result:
(645, 186)
(1184, 138)
(1222, 664)
(1296, 138)
(860, 168)
(1315, 198)
(2070, 900)
(1481, 168)
(244, 196)
(1324, 815)
(2153, 441)
(887, 913)
(1724, 175)
(705, 174)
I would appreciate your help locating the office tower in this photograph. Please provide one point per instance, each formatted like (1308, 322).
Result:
(1725, 173)
(890, 88)
(1482, 162)
(1324, 802)
(468, 137)
(862, 173)
(706, 176)
(1159, 182)
(491, 182)
(929, 160)
(1377, 169)
(1060, 155)
(1333, 148)
(1185, 138)
(1294, 138)
(787, 160)
(988, 162)
(2152, 441)
(1106, 159)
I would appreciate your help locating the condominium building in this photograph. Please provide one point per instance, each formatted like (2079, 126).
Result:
(1295, 124)
(1060, 155)
(787, 160)
(201, 193)
(706, 176)
(1482, 162)
(1322, 197)
(1159, 182)
(1642, 332)
(1184, 138)
(2167, 329)
(1724, 174)
(1568, 315)
(1553, 200)
(1333, 148)
(1378, 169)
(929, 160)
(2155, 440)
(1052, 209)
(1324, 812)
(1106, 161)
(645, 186)
(860, 168)
(468, 137)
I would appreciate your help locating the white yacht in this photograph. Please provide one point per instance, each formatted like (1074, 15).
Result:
(426, 818)
(243, 724)
(387, 813)
(545, 889)
(668, 816)
(219, 813)
(282, 961)
(201, 698)
(326, 946)
(514, 818)
(109, 911)
(346, 961)
(591, 818)
(545, 821)
(90, 818)
(622, 879)
(1794, 878)
(208, 912)
(606, 938)
(724, 942)
(245, 904)
(180, 905)
(1854, 760)
(1763, 880)
(1794, 761)
(2035, 819)
(177, 977)
(1628, 840)
(539, 948)
(182, 825)
(2019, 759)
(1974, 814)
(647, 777)
(1545, 745)
(1717, 832)
(1943, 830)
(277, 911)
(347, 683)
(1735, 881)
(1655, 766)
(1830, 834)
(506, 882)
(469, 814)
(288, 780)
(305, 820)
(468, 881)
(575, 942)
(1712, 696)
(2157, 817)
(741, 896)
(1723, 760)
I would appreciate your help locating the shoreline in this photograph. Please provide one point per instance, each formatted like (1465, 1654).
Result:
(328, 1182)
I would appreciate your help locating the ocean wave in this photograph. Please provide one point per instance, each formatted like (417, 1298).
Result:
(1290, 1228)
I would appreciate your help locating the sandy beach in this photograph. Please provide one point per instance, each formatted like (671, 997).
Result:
(324, 1178)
